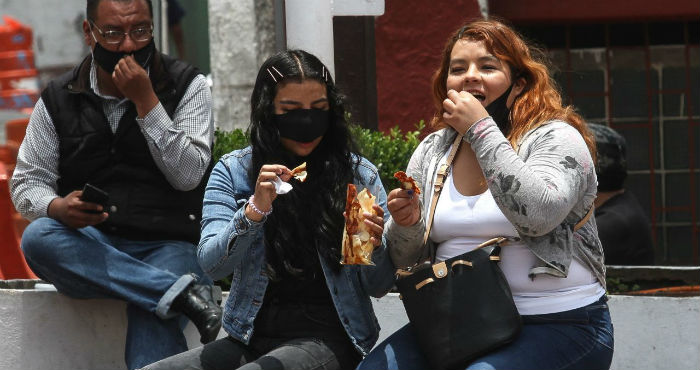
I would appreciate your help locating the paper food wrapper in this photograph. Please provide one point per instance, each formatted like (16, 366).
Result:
(357, 247)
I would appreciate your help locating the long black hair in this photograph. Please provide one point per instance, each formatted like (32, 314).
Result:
(309, 219)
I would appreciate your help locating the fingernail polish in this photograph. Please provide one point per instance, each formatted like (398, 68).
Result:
(410, 192)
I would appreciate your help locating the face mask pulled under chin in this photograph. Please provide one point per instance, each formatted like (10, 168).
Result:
(107, 59)
(499, 111)
(303, 125)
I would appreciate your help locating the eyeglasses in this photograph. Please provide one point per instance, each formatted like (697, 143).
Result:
(139, 34)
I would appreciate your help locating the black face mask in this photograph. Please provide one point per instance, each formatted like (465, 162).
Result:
(499, 111)
(303, 125)
(107, 60)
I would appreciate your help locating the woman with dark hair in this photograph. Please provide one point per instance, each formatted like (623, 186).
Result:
(523, 170)
(292, 305)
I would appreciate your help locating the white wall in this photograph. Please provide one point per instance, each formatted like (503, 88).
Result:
(651, 333)
(241, 37)
(45, 330)
(654, 333)
(42, 330)
(57, 27)
(57, 32)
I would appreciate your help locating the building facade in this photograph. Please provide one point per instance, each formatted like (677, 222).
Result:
(632, 65)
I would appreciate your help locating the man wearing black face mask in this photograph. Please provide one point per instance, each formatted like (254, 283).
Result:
(138, 125)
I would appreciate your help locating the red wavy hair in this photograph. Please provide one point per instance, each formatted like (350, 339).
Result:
(539, 101)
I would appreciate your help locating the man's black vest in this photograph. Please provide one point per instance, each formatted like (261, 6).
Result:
(142, 204)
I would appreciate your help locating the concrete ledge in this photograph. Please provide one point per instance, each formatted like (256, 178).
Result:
(42, 329)
(651, 333)
(46, 330)
(655, 332)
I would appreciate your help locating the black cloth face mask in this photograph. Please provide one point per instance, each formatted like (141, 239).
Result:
(499, 111)
(303, 125)
(107, 59)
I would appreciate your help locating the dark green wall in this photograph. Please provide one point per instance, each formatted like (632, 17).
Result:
(195, 26)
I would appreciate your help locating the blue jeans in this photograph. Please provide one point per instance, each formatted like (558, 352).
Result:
(578, 339)
(148, 275)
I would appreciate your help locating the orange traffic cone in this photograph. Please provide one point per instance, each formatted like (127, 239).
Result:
(12, 262)
(15, 130)
(19, 80)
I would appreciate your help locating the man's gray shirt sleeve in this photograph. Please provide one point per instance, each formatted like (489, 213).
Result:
(181, 147)
(34, 183)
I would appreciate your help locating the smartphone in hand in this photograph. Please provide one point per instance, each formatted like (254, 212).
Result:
(94, 194)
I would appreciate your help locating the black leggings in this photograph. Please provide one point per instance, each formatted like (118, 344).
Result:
(298, 336)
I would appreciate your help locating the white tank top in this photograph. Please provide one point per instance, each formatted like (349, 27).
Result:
(463, 222)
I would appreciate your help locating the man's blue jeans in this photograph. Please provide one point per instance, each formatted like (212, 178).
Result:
(148, 275)
(576, 339)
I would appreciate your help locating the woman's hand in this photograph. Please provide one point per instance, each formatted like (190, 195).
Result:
(265, 192)
(462, 110)
(375, 224)
(403, 206)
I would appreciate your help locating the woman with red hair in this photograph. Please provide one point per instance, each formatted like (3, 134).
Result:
(524, 170)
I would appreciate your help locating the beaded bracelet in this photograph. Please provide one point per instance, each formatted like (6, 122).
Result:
(255, 209)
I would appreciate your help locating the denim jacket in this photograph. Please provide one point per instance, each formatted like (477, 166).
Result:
(233, 244)
(543, 187)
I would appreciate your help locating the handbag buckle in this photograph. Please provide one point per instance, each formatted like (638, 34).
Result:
(462, 262)
(440, 270)
(444, 170)
(441, 175)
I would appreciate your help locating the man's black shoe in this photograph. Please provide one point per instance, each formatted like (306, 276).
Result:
(197, 304)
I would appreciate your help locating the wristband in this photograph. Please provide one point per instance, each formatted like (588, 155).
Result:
(251, 201)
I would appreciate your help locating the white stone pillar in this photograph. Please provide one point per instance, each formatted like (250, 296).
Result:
(310, 24)
(241, 37)
(310, 27)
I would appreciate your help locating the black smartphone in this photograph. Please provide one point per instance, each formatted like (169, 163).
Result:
(93, 194)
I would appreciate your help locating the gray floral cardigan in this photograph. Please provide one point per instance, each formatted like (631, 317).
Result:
(544, 188)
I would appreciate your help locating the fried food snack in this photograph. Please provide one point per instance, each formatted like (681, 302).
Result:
(299, 172)
(357, 246)
(407, 182)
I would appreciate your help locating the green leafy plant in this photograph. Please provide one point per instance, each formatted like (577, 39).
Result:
(389, 152)
(616, 286)
(228, 141)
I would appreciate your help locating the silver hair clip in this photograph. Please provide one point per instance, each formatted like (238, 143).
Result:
(273, 76)
(324, 73)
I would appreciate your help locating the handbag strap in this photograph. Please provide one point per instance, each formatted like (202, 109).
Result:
(584, 219)
(437, 188)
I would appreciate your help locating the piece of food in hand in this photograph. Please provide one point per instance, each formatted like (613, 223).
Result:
(357, 245)
(299, 172)
(407, 182)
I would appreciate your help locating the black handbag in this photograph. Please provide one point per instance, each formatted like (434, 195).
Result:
(460, 308)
